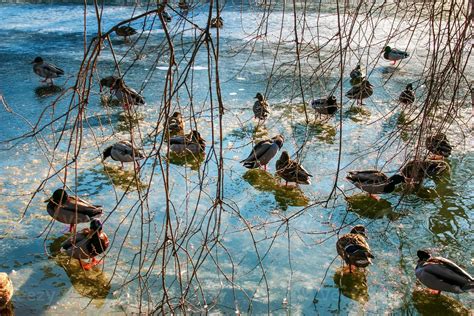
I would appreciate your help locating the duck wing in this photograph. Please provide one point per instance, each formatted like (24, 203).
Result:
(125, 148)
(83, 207)
(258, 151)
(53, 69)
(367, 177)
(443, 267)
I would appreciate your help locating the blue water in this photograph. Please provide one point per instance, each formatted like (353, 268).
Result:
(301, 274)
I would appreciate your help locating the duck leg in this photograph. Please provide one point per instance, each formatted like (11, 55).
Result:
(374, 196)
(91, 264)
(394, 62)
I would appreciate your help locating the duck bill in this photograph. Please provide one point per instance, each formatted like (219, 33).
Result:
(47, 201)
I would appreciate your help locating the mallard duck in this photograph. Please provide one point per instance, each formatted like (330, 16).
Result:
(439, 146)
(183, 6)
(217, 22)
(260, 107)
(87, 244)
(441, 274)
(126, 31)
(291, 171)
(6, 291)
(326, 106)
(407, 96)
(166, 16)
(191, 143)
(126, 95)
(416, 170)
(394, 54)
(123, 151)
(71, 210)
(46, 70)
(176, 124)
(263, 152)
(361, 91)
(357, 75)
(354, 249)
(374, 181)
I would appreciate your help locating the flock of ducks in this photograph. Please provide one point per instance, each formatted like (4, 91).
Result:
(438, 274)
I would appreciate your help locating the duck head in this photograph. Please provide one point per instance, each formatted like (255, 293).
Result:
(38, 60)
(284, 158)
(279, 139)
(423, 255)
(59, 197)
(409, 87)
(332, 100)
(108, 81)
(196, 137)
(360, 230)
(96, 225)
(259, 96)
(396, 179)
(177, 115)
(387, 49)
(107, 153)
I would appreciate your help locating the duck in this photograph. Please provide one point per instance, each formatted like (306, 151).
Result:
(126, 95)
(357, 75)
(217, 22)
(361, 91)
(374, 181)
(6, 291)
(394, 54)
(123, 151)
(46, 70)
(263, 152)
(87, 244)
(325, 106)
(291, 171)
(407, 97)
(439, 146)
(441, 274)
(183, 6)
(71, 210)
(260, 107)
(191, 143)
(354, 249)
(416, 170)
(176, 124)
(126, 31)
(166, 16)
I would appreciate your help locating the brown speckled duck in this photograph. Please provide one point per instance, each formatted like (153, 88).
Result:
(6, 291)
(354, 249)
(291, 171)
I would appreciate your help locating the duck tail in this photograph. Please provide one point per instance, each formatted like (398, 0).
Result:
(468, 287)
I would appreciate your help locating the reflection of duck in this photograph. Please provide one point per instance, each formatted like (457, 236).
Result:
(352, 285)
(87, 244)
(427, 304)
(263, 152)
(441, 274)
(265, 182)
(354, 249)
(71, 210)
(291, 171)
(374, 181)
(6, 292)
(93, 284)
(260, 107)
(370, 208)
(439, 146)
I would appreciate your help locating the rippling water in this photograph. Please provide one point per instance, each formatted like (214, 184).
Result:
(439, 216)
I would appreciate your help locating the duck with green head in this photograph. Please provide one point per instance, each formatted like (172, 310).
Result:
(374, 181)
(71, 210)
(87, 244)
(394, 54)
